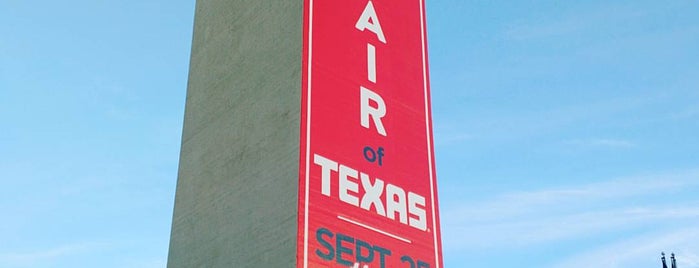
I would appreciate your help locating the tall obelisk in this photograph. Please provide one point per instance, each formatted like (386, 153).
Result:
(237, 187)
(307, 138)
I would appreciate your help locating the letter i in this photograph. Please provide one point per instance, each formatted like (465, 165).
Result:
(371, 62)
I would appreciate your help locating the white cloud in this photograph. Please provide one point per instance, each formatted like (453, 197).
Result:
(688, 258)
(641, 252)
(538, 230)
(605, 143)
(524, 219)
(149, 263)
(32, 258)
(513, 204)
(574, 23)
(506, 125)
(448, 139)
(688, 113)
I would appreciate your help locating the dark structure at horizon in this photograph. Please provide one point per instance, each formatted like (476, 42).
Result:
(673, 261)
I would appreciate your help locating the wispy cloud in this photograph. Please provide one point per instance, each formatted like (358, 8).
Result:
(446, 139)
(512, 204)
(523, 219)
(536, 231)
(641, 252)
(503, 125)
(688, 113)
(573, 23)
(149, 263)
(689, 259)
(32, 258)
(603, 143)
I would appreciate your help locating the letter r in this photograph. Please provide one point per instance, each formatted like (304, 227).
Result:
(367, 111)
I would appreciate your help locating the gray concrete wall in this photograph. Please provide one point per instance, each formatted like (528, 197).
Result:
(237, 188)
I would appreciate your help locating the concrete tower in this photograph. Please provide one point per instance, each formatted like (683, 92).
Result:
(237, 187)
(307, 138)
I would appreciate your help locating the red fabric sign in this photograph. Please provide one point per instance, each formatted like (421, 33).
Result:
(367, 181)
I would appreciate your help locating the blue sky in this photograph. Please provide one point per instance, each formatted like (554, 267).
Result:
(566, 132)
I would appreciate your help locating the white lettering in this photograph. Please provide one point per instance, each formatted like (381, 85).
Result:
(326, 166)
(346, 185)
(370, 21)
(395, 203)
(371, 62)
(356, 265)
(420, 221)
(386, 201)
(376, 113)
(372, 194)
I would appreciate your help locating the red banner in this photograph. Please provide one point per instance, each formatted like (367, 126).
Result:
(367, 181)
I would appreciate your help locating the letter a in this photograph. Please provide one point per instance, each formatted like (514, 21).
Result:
(370, 21)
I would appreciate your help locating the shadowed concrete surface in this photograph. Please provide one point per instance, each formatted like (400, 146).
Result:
(237, 188)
